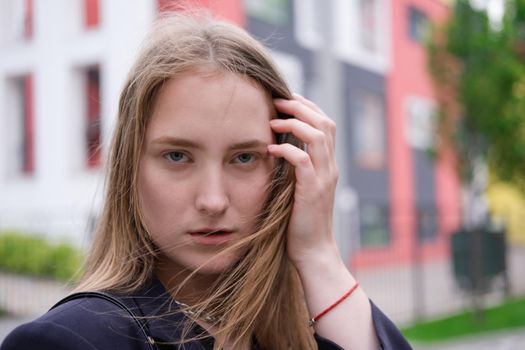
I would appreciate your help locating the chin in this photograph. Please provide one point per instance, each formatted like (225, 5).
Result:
(208, 265)
(213, 266)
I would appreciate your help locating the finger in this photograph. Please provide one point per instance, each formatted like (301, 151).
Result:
(307, 102)
(300, 160)
(302, 112)
(298, 110)
(318, 145)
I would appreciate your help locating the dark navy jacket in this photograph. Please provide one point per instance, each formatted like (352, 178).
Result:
(92, 323)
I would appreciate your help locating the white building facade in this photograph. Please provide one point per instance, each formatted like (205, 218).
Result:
(62, 65)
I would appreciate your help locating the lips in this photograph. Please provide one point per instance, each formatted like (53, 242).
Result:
(211, 236)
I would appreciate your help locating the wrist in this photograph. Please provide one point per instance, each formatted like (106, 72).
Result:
(321, 256)
(327, 283)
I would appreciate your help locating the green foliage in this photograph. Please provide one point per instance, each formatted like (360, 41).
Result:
(483, 67)
(31, 255)
(505, 316)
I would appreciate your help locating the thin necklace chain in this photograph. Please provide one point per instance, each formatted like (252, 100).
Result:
(189, 311)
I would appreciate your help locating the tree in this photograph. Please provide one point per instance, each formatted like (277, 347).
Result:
(479, 74)
(478, 68)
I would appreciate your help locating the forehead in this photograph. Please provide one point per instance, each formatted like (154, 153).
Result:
(211, 104)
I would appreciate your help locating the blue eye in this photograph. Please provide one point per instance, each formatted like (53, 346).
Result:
(244, 158)
(177, 157)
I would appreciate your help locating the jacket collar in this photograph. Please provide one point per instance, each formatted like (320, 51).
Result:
(163, 316)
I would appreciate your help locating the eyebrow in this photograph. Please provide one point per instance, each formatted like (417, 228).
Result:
(181, 142)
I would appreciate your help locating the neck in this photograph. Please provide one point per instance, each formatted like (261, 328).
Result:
(187, 290)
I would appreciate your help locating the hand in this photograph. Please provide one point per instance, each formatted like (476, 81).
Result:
(311, 246)
(310, 229)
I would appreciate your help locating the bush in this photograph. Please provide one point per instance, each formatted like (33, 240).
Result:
(31, 255)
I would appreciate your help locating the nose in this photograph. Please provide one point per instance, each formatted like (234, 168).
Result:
(212, 196)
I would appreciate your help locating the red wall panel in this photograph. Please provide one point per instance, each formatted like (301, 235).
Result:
(410, 77)
(231, 10)
(91, 13)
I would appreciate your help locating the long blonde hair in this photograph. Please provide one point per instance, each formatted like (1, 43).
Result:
(261, 295)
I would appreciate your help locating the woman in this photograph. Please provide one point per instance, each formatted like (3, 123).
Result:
(216, 229)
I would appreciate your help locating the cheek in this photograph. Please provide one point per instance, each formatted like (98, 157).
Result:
(250, 195)
(157, 201)
(149, 193)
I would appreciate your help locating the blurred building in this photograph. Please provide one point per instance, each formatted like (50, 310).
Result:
(63, 63)
(62, 66)
(407, 204)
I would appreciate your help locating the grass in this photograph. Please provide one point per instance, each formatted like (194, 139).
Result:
(510, 314)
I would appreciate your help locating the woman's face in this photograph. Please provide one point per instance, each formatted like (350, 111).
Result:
(204, 171)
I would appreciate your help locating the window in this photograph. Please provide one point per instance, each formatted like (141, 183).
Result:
(358, 28)
(91, 13)
(374, 225)
(27, 153)
(426, 223)
(274, 11)
(28, 19)
(369, 131)
(16, 20)
(361, 33)
(368, 25)
(420, 123)
(307, 31)
(93, 127)
(418, 25)
(20, 138)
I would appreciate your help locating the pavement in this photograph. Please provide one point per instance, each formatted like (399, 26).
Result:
(501, 340)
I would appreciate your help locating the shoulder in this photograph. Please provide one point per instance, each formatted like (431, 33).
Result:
(45, 335)
(78, 324)
(388, 334)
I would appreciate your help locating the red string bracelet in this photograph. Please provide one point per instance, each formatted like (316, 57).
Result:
(314, 320)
